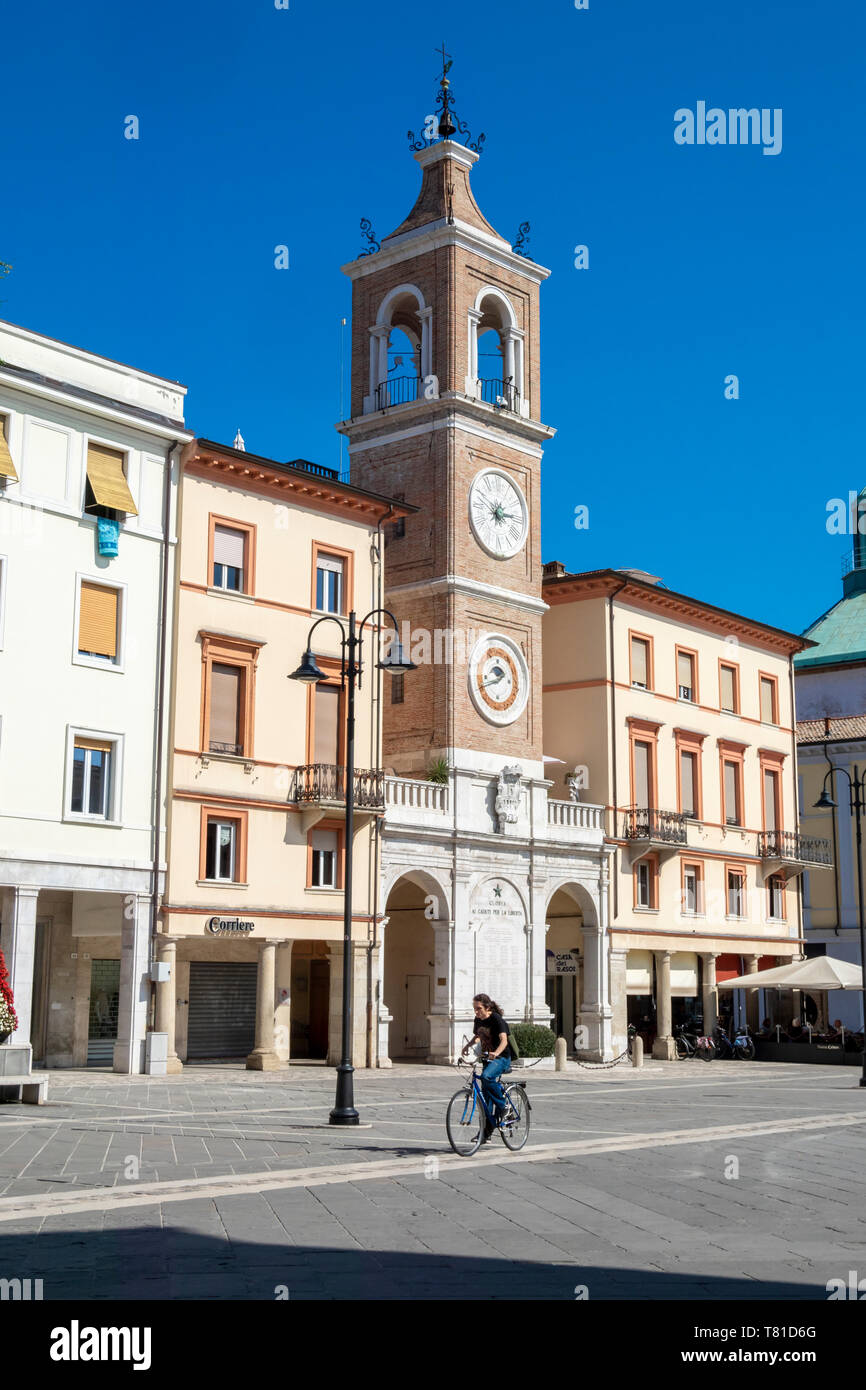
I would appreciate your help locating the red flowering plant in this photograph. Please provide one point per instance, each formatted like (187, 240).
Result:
(8, 1017)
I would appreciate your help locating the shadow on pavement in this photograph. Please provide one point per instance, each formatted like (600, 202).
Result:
(151, 1262)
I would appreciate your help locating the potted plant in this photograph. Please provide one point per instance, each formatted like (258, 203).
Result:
(8, 1017)
(535, 1043)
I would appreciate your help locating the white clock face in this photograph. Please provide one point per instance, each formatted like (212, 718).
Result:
(498, 679)
(498, 513)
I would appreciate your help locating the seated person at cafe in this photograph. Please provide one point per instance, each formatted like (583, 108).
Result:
(796, 1032)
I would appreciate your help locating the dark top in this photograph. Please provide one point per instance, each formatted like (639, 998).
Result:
(496, 1026)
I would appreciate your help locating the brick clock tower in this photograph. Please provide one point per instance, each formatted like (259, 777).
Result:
(446, 414)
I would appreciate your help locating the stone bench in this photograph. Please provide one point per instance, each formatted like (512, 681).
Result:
(34, 1087)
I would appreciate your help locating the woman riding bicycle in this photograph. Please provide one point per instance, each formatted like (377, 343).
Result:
(488, 1016)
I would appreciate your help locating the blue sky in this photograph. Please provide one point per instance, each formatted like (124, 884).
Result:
(261, 127)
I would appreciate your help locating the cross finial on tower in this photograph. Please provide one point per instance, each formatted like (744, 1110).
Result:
(447, 128)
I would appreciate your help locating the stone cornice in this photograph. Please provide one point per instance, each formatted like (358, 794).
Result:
(570, 588)
(456, 583)
(455, 403)
(433, 235)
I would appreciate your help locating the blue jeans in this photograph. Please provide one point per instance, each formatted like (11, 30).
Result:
(490, 1081)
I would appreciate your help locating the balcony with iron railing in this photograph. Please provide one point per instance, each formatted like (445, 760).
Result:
(320, 788)
(503, 394)
(647, 828)
(789, 853)
(397, 390)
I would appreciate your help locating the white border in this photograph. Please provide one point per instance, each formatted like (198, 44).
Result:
(500, 473)
(508, 716)
(114, 817)
(94, 662)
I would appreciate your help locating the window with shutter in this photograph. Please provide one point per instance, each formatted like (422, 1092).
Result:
(728, 689)
(326, 725)
(771, 800)
(685, 676)
(229, 557)
(91, 778)
(221, 854)
(7, 467)
(688, 784)
(768, 701)
(329, 583)
(108, 488)
(735, 894)
(732, 794)
(98, 614)
(640, 663)
(323, 873)
(225, 708)
(642, 755)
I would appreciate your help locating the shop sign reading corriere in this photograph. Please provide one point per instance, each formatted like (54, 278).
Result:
(223, 926)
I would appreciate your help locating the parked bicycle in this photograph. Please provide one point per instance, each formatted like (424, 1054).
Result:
(740, 1047)
(469, 1118)
(692, 1044)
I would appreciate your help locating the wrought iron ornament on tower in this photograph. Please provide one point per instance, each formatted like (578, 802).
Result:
(445, 119)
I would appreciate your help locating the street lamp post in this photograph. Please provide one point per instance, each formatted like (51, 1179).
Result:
(857, 794)
(395, 663)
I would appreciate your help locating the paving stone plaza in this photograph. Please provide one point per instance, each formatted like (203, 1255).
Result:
(676, 1182)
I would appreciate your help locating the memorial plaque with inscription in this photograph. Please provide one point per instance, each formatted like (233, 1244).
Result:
(498, 920)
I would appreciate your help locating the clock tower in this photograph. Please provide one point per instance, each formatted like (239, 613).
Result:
(446, 414)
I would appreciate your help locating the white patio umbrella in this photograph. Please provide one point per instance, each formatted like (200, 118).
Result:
(821, 972)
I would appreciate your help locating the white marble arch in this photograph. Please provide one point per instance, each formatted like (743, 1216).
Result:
(405, 955)
(429, 883)
(595, 1015)
(580, 893)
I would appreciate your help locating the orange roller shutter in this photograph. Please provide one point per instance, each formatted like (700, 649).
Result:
(97, 621)
(225, 699)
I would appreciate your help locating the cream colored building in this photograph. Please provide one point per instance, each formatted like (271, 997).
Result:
(252, 919)
(678, 718)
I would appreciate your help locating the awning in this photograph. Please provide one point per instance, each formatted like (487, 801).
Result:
(639, 972)
(105, 472)
(822, 972)
(7, 467)
(684, 975)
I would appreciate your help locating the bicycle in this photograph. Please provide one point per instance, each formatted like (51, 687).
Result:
(741, 1047)
(690, 1045)
(469, 1119)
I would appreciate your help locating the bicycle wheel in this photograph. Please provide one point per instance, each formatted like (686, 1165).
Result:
(464, 1122)
(682, 1048)
(745, 1050)
(514, 1128)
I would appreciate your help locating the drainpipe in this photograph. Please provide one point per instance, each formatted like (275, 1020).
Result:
(160, 712)
(615, 798)
(377, 831)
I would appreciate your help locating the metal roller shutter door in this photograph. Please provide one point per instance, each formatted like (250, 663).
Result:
(222, 1009)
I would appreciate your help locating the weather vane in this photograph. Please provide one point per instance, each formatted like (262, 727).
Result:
(445, 123)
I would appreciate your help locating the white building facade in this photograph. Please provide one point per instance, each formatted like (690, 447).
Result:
(89, 458)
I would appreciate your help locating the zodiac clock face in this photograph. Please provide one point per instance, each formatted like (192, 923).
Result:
(498, 679)
(498, 513)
